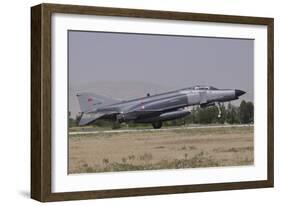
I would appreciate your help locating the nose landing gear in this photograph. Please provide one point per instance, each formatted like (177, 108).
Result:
(219, 108)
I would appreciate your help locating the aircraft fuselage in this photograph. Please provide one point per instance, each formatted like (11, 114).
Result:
(162, 107)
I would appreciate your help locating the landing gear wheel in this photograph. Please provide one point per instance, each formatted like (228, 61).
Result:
(157, 125)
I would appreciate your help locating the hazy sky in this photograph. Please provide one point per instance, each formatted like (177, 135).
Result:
(99, 59)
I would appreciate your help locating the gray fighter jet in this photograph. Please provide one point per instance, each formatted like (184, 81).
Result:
(153, 109)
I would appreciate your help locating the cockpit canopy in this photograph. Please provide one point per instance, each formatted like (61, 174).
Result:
(200, 87)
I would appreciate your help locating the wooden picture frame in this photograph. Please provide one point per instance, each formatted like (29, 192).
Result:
(41, 97)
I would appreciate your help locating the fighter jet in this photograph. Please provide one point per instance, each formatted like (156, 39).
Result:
(154, 109)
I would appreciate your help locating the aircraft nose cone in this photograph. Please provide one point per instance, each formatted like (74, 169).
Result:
(238, 92)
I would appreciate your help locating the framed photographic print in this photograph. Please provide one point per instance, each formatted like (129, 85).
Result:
(130, 102)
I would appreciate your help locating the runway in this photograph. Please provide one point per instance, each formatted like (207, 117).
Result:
(159, 130)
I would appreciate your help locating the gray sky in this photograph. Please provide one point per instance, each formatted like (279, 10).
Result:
(125, 65)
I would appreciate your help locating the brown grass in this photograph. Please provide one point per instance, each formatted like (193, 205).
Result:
(211, 147)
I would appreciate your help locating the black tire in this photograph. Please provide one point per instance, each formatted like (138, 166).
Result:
(116, 125)
(157, 125)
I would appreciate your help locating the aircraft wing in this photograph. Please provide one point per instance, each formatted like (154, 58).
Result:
(143, 112)
(150, 112)
(155, 111)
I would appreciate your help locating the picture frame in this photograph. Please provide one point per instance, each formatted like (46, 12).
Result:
(42, 118)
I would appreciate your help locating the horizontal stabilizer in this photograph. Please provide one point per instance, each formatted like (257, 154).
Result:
(89, 118)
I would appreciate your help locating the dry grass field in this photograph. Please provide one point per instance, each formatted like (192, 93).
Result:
(146, 150)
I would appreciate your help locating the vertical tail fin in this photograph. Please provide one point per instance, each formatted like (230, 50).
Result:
(90, 101)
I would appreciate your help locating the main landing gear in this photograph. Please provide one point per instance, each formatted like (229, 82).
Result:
(157, 125)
